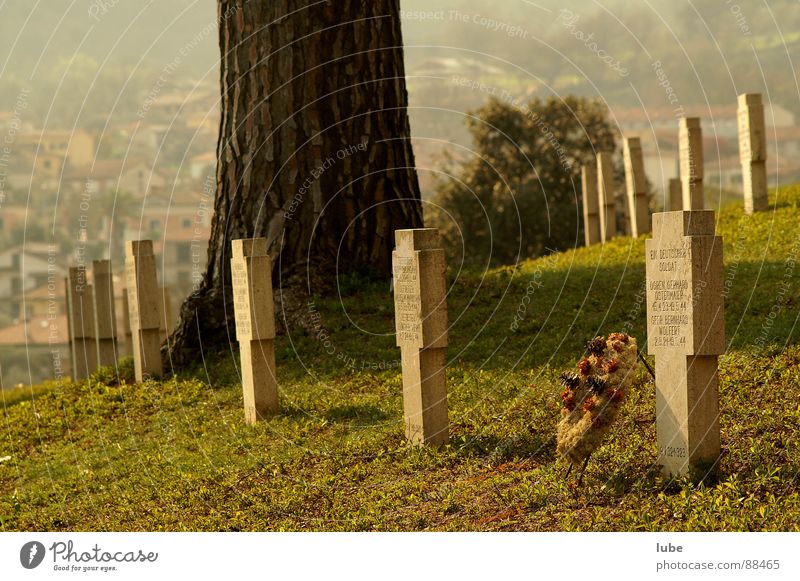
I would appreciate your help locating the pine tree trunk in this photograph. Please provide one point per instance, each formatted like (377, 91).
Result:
(314, 153)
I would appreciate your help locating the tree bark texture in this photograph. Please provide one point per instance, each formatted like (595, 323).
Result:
(314, 152)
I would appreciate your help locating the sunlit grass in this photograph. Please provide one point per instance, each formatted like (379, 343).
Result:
(107, 454)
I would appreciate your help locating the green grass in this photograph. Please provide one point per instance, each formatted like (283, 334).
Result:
(108, 454)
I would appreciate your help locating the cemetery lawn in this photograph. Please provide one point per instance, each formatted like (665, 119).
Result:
(108, 454)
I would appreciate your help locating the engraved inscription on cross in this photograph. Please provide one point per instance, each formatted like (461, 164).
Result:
(408, 302)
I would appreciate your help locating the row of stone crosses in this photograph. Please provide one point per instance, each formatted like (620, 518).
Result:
(684, 193)
(685, 311)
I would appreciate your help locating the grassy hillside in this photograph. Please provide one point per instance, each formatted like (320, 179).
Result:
(107, 454)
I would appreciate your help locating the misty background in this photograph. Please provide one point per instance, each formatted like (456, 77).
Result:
(93, 64)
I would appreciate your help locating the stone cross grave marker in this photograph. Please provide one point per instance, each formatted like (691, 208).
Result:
(605, 191)
(753, 152)
(675, 195)
(686, 333)
(636, 185)
(81, 323)
(421, 323)
(105, 316)
(591, 209)
(690, 150)
(253, 303)
(126, 323)
(143, 308)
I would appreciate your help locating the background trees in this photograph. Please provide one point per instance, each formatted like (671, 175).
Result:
(519, 193)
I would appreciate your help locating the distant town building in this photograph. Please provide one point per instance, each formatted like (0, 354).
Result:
(24, 268)
(116, 175)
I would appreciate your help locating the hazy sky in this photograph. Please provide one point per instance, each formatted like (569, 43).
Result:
(648, 53)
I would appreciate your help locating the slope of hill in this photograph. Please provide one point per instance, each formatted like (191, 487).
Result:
(107, 454)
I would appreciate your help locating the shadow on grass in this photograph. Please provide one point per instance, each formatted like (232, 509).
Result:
(531, 446)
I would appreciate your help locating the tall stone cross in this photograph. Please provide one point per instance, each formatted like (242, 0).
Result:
(420, 304)
(753, 152)
(105, 316)
(81, 323)
(690, 151)
(686, 333)
(253, 303)
(605, 190)
(143, 308)
(636, 186)
(591, 208)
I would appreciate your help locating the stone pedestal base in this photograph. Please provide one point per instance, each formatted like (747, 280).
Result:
(687, 387)
(259, 381)
(755, 187)
(147, 344)
(425, 396)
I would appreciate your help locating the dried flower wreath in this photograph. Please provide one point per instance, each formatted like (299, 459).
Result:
(593, 396)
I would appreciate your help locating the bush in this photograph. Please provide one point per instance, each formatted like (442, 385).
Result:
(519, 195)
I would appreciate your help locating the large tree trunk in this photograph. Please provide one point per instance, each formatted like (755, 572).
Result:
(314, 152)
